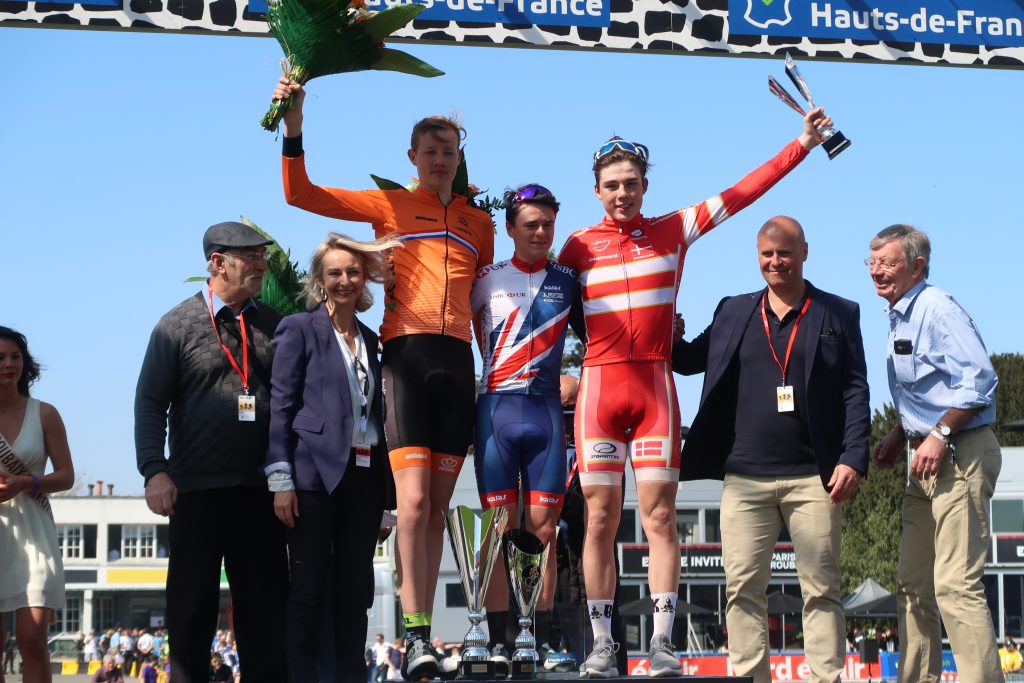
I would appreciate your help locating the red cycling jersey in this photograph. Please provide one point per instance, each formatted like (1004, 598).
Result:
(629, 272)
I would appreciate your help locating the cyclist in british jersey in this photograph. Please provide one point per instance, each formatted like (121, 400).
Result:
(427, 358)
(629, 268)
(521, 308)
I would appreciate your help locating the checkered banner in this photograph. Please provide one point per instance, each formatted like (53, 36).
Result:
(946, 32)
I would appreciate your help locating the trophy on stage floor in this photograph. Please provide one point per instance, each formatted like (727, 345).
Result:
(833, 141)
(526, 558)
(475, 541)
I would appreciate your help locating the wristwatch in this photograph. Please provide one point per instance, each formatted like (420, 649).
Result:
(943, 429)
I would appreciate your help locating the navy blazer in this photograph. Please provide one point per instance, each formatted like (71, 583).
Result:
(835, 382)
(311, 425)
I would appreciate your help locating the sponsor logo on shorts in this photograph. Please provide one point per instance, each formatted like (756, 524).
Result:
(416, 456)
(498, 498)
(603, 448)
(547, 499)
(448, 463)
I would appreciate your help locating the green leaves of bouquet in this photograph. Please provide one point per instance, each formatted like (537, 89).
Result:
(322, 37)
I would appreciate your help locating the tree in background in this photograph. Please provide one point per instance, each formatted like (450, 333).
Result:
(871, 521)
(1009, 396)
(572, 357)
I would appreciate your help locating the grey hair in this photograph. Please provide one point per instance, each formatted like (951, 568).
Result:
(210, 268)
(914, 242)
(372, 255)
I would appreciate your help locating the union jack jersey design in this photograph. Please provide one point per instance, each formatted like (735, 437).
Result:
(521, 311)
(629, 272)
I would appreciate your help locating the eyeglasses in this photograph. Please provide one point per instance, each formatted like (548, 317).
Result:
(261, 257)
(625, 145)
(887, 266)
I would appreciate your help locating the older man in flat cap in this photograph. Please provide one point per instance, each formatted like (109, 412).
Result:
(206, 376)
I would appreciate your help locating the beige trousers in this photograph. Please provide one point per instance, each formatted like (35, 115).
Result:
(753, 511)
(942, 559)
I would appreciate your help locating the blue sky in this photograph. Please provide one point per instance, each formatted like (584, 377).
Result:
(120, 149)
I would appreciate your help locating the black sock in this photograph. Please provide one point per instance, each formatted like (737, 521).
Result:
(497, 623)
(542, 627)
(417, 633)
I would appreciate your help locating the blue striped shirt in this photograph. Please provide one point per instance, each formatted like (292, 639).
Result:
(947, 367)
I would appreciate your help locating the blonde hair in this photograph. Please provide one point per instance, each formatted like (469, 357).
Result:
(371, 256)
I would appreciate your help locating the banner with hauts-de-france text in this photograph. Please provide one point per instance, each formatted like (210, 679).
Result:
(953, 32)
(993, 23)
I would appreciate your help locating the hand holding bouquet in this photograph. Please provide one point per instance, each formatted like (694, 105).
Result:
(321, 37)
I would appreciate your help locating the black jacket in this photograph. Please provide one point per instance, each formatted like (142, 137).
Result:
(835, 383)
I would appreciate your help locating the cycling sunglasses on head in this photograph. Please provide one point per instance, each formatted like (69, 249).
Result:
(526, 193)
(625, 145)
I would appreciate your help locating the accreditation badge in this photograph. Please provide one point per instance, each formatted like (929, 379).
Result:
(246, 408)
(362, 454)
(784, 396)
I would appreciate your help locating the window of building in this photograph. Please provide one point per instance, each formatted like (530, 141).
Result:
(69, 540)
(627, 527)
(712, 525)
(103, 610)
(1008, 516)
(454, 596)
(1013, 603)
(138, 541)
(688, 524)
(69, 619)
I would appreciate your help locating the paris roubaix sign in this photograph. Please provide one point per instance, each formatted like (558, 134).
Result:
(987, 33)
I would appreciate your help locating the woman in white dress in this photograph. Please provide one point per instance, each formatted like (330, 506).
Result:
(32, 577)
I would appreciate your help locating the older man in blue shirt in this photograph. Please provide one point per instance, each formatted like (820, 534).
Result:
(944, 389)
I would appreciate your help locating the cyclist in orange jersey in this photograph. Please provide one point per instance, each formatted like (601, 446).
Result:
(427, 360)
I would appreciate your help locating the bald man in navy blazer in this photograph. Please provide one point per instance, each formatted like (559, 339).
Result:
(784, 421)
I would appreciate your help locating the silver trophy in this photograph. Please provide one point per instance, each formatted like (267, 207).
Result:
(475, 540)
(833, 141)
(526, 557)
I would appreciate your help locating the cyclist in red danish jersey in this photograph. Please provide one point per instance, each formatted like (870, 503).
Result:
(629, 268)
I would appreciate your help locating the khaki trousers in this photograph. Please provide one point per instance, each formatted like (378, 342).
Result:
(942, 559)
(753, 511)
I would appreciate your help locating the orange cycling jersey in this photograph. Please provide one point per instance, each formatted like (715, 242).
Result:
(429, 281)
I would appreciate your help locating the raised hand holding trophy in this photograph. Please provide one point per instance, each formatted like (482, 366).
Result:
(833, 141)
(475, 541)
(526, 557)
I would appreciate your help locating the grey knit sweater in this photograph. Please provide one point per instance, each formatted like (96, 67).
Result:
(187, 382)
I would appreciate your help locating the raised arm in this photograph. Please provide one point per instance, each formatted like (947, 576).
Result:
(701, 218)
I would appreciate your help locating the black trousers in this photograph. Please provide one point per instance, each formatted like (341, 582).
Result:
(330, 551)
(236, 525)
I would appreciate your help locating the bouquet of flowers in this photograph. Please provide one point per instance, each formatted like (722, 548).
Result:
(321, 37)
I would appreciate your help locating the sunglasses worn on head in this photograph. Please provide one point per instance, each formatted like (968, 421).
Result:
(625, 145)
(527, 193)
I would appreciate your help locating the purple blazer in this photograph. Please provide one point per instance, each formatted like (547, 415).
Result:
(311, 424)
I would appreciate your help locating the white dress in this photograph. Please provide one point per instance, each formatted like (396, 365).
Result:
(31, 573)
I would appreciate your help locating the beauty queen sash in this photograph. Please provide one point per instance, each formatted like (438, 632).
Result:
(10, 463)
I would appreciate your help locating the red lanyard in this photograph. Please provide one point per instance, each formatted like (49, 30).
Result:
(243, 372)
(792, 335)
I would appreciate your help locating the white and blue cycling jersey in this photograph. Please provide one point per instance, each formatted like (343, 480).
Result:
(521, 311)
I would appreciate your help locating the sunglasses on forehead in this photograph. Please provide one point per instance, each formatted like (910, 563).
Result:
(624, 145)
(526, 193)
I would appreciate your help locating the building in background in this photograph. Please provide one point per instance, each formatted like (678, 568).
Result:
(115, 561)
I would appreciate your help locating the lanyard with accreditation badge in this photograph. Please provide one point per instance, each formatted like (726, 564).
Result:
(362, 445)
(784, 393)
(246, 401)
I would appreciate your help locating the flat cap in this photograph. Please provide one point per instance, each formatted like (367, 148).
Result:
(231, 235)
